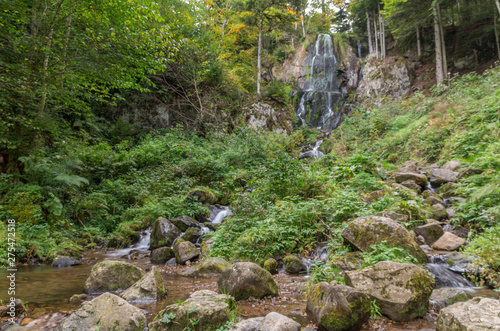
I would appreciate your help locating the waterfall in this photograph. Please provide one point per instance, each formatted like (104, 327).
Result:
(142, 246)
(359, 50)
(320, 104)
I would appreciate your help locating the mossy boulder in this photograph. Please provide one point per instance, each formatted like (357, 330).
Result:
(477, 314)
(412, 185)
(192, 235)
(445, 296)
(208, 268)
(64, 261)
(335, 307)
(294, 265)
(163, 233)
(364, 232)
(206, 246)
(347, 262)
(419, 179)
(107, 312)
(439, 212)
(149, 288)
(184, 222)
(204, 196)
(162, 255)
(185, 251)
(271, 265)
(402, 290)
(430, 232)
(124, 236)
(243, 280)
(112, 276)
(209, 309)
(442, 175)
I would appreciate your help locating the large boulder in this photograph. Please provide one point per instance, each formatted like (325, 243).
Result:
(476, 314)
(365, 232)
(162, 255)
(439, 212)
(163, 233)
(184, 222)
(337, 307)
(419, 179)
(271, 265)
(192, 235)
(111, 275)
(347, 261)
(445, 296)
(430, 232)
(185, 251)
(442, 176)
(207, 268)
(402, 290)
(277, 322)
(294, 265)
(246, 279)
(251, 324)
(204, 196)
(448, 242)
(203, 310)
(107, 312)
(149, 288)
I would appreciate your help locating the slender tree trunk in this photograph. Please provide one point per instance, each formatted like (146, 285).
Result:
(443, 44)
(419, 43)
(369, 26)
(259, 56)
(497, 2)
(439, 48)
(382, 33)
(303, 26)
(376, 37)
(497, 36)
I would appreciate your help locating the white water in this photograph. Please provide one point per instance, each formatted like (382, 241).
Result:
(221, 215)
(142, 246)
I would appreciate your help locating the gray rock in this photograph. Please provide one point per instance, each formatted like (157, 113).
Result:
(107, 312)
(347, 262)
(402, 188)
(209, 309)
(192, 235)
(451, 212)
(163, 233)
(412, 185)
(401, 218)
(77, 299)
(112, 276)
(206, 246)
(431, 201)
(6, 309)
(271, 265)
(410, 166)
(277, 322)
(246, 279)
(149, 288)
(172, 261)
(185, 251)
(208, 268)
(452, 165)
(251, 324)
(448, 242)
(263, 117)
(337, 307)
(469, 172)
(64, 261)
(162, 255)
(184, 222)
(476, 314)
(365, 232)
(430, 232)
(402, 290)
(441, 176)
(419, 179)
(445, 296)
(439, 212)
(294, 265)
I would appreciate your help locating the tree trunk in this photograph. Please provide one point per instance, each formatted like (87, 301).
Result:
(259, 56)
(376, 37)
(369, 26)
(439, 48)
(45, 68)
(382, 33)
(419, 43)
(443, 44)
(497, 2)
(303, 26)
(497, 36)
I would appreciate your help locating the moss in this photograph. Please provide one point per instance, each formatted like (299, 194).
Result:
(271, 265)
(203, 195)
(293, 264)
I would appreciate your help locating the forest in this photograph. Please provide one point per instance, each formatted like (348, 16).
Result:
(117, 114)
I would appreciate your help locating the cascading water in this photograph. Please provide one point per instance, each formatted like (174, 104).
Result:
(142, 246)
(320, 104)
(444, 275)
(217, 214)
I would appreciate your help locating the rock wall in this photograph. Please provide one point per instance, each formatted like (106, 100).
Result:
(263, 117)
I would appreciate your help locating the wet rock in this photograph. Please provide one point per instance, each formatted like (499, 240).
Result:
(271, 265)
(16, 306)
(172, 261)
(162, 255)
(443, 297)
(469, 172)
(106, 312)
(184, 222)
(246, 279)
(294, 265)
(192, 235)
(476, 314)
(402, 188)
(426, 248)
(402, 290)
(206, 246)
(419, 179)
(452, 165)
(185, 251)
(112, 276)
(208, 268)
(439, 212)
(430, 232)
(365, 232)
(412, 185)
(401, 218)
(149, 288)
(336, 307)
(64, 261)
(448, 242)
(347, 262)
(163, 233)
(201, 195)
(441, 176)
(209, 309)
(77, 299)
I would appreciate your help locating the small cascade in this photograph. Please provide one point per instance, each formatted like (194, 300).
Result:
(142, 246)
(217, 214)
(308, 263)
(360, 55)
(444, 275)
(321, 98)
(315, 153)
